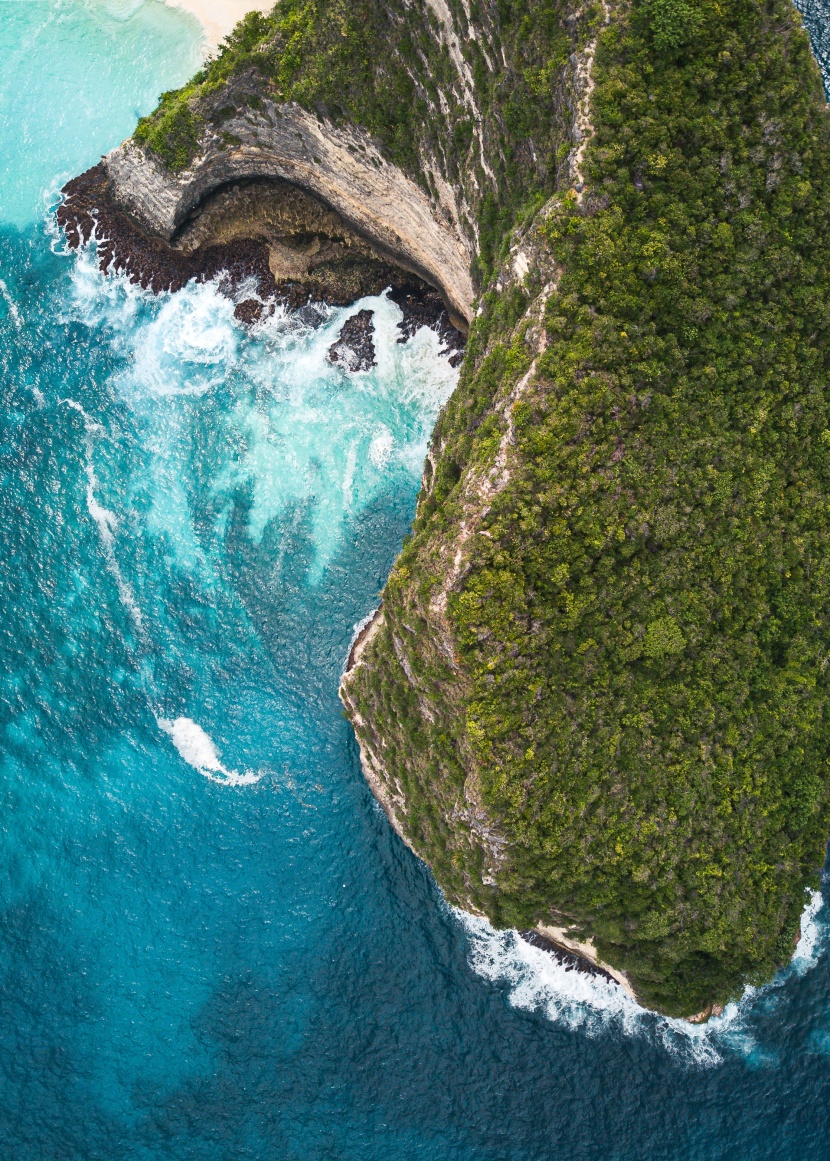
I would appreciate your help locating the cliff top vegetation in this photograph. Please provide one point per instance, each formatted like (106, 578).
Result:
(500, 134)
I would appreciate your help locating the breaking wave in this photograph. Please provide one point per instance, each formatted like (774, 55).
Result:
(104, 519)
(536, 981)
(199, 751)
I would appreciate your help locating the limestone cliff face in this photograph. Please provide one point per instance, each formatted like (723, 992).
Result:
(340, 165)
(595, 699)
(424, 126)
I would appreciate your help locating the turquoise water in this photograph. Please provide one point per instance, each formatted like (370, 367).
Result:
(75, 75)
(211, 944)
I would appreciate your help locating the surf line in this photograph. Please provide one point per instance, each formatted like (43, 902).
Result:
(12, 305)
(105, 520)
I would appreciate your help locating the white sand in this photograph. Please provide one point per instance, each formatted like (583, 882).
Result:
(218, 17)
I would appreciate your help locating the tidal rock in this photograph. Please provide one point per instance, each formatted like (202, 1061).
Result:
(310, 316)
(355, 348)
(424, 307)
(251, 311)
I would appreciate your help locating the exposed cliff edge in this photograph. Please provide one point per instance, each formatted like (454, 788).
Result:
(595, 701)
(341, 166)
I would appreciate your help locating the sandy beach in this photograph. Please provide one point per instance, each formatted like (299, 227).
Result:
(218, 17)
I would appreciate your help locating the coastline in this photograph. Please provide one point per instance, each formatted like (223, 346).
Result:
(572, 954)
(585, 951)
(370, 762)
(88, 211)
(218, 17)
(215, 16)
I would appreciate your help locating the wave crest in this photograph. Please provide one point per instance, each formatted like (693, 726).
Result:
(537, 982)
(199, 751)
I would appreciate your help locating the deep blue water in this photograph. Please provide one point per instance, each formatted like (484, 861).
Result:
(212, 946)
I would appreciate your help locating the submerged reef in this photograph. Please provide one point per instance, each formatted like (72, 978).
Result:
(595, 698)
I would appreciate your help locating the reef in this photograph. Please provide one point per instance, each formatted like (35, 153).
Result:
(594, 699)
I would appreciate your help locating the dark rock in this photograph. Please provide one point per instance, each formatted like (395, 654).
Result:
(569, 959)
(310, 316)
(87, 210)
(424, 307)
(355, 348)
(251, 311)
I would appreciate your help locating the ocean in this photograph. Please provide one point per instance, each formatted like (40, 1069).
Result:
(212, 944)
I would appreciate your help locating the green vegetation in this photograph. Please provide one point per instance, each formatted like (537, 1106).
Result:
(313, 53)
(172, 133)
(638, 693)
(672, 23)
(614, 715)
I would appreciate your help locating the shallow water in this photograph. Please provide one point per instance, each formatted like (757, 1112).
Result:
(211, 943)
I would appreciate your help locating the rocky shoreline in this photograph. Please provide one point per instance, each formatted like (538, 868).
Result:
(570, 960)
(88, 211)
(355, 346)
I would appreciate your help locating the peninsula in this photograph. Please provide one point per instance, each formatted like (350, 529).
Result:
(594, 699)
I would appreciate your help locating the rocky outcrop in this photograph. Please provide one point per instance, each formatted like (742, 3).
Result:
(265, 233)
(339, 165)
(355, 347)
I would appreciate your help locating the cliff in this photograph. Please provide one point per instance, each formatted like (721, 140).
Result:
(595, 698)
(339, 165)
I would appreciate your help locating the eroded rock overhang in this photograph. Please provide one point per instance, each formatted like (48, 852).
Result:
(338, 164)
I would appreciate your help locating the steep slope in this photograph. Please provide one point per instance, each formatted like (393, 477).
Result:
(595, 698)
(598, 695)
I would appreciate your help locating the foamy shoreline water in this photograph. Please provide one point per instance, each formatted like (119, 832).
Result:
(536, 981)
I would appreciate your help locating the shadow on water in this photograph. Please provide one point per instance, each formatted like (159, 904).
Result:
(306, 628)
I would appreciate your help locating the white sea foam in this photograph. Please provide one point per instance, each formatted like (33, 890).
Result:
(189, 346)
(105, 520)
(14, 312)
(99, 301)
(179, 344)
(50, 198)
(357, 629)
(91, 426)
(360, 625)
(296, 435)
(380, 449)
(325, 442)
(809, 944)
(199, 751)
(537, 982)
(307, 435)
